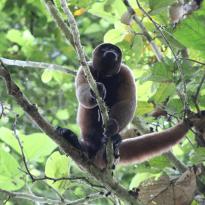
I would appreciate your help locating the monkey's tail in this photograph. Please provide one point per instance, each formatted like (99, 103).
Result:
(138, 149)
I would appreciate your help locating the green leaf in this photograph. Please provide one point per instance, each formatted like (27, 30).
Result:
(156, 4)
(140, 177)
(62, 114)
(144, 107)
(160, 72)
(10, 175)
(113, 36)
(159, 163)
(43, 144)
(58, 166)
(97, 9)
(175, 106)
(15, 36)
(8, 137)
(47, 76)
(198, 156)
(164, 91)
(194, 28)
(2, 3)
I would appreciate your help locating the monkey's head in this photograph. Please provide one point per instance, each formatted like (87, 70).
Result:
(107, 59)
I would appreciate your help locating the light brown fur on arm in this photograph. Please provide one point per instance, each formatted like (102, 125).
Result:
(83, 91)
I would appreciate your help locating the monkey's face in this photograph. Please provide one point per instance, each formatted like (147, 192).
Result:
(107, 60)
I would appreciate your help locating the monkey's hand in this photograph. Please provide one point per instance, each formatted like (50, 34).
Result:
(112, 128)
(197, 121)
(116, 139)
(101, 89)
(112, 131)
(69, 136)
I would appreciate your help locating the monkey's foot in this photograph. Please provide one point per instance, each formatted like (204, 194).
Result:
(69, 136)
(116, 139)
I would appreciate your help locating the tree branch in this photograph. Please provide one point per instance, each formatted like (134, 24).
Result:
(81, 55)
(39, 65)
(59, 21)
(44, 200)
(184, 94)
(148, 37)
(103, 177)
(34, 198)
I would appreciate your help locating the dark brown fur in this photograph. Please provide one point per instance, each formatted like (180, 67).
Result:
(120, 99)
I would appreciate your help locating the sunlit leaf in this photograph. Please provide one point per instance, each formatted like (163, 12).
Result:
(113, 36)
(164, 91)
(43, 144)
(79, 12)
(47, 76)
(62, 114)
(58, 166)
(144, 107)
(10, 175)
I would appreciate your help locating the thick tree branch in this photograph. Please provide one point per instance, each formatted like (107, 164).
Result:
(59, 20)
(39, 65)
(104, 178)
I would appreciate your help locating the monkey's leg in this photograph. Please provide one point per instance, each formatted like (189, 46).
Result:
(122, 113)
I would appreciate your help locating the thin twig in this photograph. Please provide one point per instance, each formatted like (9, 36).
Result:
(144, 31)
(1, 110)
(195, 61)
(21, 148)
(32, 197)
(70, 179)
(179, 165)
(88, 198)
(195, 97)
(33, 178)
(46, 200)
(38, 65)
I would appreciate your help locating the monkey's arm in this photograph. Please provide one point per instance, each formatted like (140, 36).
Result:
(83, 92)
(141, 148)
(121, 113)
